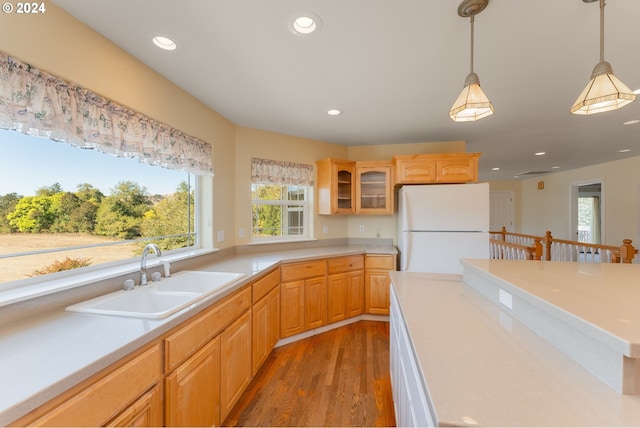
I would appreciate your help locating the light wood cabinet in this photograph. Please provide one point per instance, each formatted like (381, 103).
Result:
(303, 296)
(200, 385)
(265, 328)
(374, 187)
(235, 367)
(345, 288)
(315, 302)
(146, 411)
(436, 168)
(193, 389)
(377, 283)
(348, 187)
(291, 308)
(335, 186)
(118, 394)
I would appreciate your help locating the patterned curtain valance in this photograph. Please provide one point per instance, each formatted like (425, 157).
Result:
(279, 172)
(37, 103)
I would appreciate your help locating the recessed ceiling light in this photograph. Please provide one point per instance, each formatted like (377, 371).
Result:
(305, 23)
(631, 122)
(495, 169)
(334, 112)
(541, 153)
(516, 176)
(624, 150)
(555, 167)
(164, 43)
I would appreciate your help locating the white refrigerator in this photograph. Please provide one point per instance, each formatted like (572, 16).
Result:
(442, 223)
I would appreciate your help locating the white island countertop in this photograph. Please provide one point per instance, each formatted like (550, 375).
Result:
(480, 364)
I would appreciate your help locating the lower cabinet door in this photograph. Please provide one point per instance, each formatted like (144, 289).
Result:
(193, 389)
(315, 303)
(292, 308)
(235, 370)
(265, 328)
(377, 292)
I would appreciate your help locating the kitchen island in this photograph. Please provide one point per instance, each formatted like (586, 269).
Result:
(475, 360)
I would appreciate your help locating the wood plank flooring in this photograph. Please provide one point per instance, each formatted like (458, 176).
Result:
(337, 378)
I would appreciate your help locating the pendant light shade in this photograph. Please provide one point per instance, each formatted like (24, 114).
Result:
(604, 92)
(472, 104)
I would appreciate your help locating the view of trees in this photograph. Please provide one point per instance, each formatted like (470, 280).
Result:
(267, 219)
(128, 212)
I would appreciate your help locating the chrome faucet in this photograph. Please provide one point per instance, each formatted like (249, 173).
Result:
(143, 261)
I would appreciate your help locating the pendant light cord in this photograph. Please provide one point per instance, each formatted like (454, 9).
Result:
(472, 20)
(602, 30)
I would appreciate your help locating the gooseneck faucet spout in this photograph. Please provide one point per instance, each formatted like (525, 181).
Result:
(143, 261)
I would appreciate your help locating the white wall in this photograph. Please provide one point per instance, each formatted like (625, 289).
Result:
(550, 208)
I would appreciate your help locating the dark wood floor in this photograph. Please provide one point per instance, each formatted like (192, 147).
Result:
(337, 378)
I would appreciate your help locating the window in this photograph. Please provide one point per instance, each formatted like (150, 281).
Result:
(56, 199)
(280, 200)
(279, 211)
(63, 208)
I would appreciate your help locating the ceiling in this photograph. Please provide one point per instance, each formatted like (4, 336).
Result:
(395, 67)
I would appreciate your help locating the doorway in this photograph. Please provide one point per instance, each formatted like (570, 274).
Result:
(588, 212)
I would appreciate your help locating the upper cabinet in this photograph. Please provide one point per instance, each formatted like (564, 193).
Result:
(374, 187)
(436, 168)
(366, 187)
(336, 186)
(348, 187)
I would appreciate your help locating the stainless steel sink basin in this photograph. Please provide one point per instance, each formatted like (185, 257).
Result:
(159, 299)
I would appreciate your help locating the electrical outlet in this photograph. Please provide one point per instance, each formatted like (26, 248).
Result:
(220, 235)
(241, 233)
(325, 229)
(505, 298)
(362, 228)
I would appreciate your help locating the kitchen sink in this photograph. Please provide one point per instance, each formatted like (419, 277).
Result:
(200, 282)
(158, 299)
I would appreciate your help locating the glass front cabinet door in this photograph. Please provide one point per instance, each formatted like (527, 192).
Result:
(336, 186)
(374, 188)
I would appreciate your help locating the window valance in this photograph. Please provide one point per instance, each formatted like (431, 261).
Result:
(37, 103)
(279, 172)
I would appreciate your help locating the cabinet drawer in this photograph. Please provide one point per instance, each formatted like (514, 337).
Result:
(193, 336)
(302, 270)
(98, 403)
(345, 264)
(387, 262)
(265, 284)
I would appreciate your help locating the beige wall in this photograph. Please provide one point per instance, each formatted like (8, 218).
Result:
(387, 151)
(550, 208)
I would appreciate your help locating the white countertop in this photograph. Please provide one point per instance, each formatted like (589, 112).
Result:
(480, 362)
(51, 352)
(605, 296)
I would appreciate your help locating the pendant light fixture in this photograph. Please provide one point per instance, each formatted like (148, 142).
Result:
(605, 91)
(472, 104)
